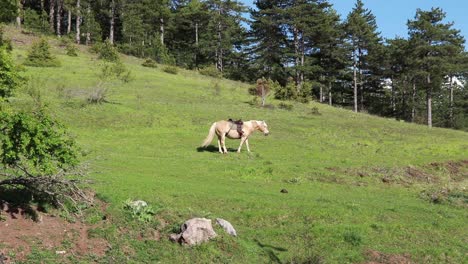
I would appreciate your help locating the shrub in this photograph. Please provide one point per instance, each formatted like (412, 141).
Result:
(287, 92)
(106, 51)
(5, 43)
(285, 106)
(140, 210)
(116, 70)
(9, 74)
(171, 69)
(40, 56)
(211, 71)
(71, 50)
(314, 111)
(150, 63)
(39, 156)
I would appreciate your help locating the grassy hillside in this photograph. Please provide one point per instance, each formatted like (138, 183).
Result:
(356, 183)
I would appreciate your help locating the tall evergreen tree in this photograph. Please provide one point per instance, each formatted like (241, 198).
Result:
(362, 34)
(435, 43)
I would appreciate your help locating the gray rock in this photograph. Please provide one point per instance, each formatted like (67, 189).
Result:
(226, 226)
(195, 231)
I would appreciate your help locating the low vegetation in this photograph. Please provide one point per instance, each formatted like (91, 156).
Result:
(40, 56)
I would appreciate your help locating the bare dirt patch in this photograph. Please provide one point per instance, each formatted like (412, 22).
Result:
(376, 257)
(23, 228)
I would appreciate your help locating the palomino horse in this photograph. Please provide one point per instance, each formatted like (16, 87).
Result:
(225, 129)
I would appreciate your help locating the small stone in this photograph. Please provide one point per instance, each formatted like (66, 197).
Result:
(60, 252)
(226, 226)
(284, 191)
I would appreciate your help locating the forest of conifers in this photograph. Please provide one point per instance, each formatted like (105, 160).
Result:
(303, 47)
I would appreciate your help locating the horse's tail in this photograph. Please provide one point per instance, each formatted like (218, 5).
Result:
(210, 136)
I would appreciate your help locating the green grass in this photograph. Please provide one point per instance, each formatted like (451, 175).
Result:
(143, 145)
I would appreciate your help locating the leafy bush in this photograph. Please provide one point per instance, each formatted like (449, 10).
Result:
(140, 210)
(150, 63)
(37, 155)
(5, 43)
(106, 51)
(314, 111)
(71, 49)
(285, 106)
(211, 71)
(287, 92)
(9, 74)
(116, 70)
(40, 56)
(171, 69)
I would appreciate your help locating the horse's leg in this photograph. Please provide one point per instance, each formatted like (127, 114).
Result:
(240, 146)
(219, 145)
(223, 142)
(247, 144)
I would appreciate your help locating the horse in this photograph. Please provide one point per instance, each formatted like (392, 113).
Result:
(228, 129)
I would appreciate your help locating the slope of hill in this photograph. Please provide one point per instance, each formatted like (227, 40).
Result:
(360, 188)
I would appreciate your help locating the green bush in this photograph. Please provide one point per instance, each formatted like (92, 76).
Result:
(140, 210)
(6, 43)
(71, 49)
(171, 69)
(150, 63)
(40, 56)
(116, 70)
(9, 74)
(211, 71)
(285, 106)
(106, 51)
(288, 92)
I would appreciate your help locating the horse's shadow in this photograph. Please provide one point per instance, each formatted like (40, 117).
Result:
(213, 149)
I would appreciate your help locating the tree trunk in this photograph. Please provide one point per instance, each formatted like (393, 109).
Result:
(413, 102)
(219, 50)
(393, 103)
(78, 22)
(112, 22)
(88, 29)
(330, 100)
(451, 102)
(59, 17)
(355, 83)
(361, 83)
(302, 61)
(19, 6)
(162, 30)
(321, 94)
(69, 22)
(196, 34)
(429, 101)
(51, 15)
(296, 55)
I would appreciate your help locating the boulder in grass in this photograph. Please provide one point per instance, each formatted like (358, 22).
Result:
(194, 231)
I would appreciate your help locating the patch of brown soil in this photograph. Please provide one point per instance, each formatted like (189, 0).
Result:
(19, 234)
(376, 257)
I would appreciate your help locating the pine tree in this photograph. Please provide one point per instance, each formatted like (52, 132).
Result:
(435, 43)
(362, 34)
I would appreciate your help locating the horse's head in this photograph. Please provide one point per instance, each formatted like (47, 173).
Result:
(262, 126)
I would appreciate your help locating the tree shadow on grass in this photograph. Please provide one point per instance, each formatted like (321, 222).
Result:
(270, 250)
(212, 148)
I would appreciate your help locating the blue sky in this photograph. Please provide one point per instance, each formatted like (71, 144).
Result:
(392, 15)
